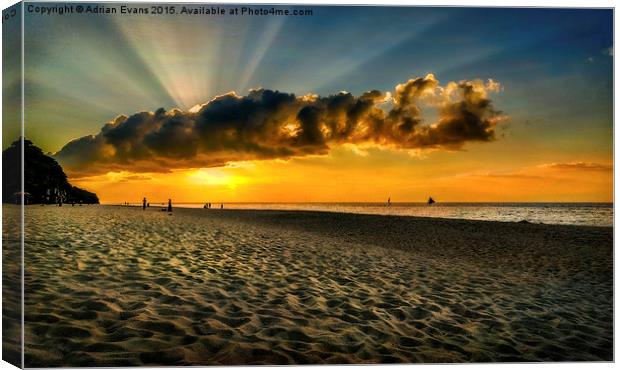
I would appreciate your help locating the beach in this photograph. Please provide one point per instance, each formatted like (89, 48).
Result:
(118, 286)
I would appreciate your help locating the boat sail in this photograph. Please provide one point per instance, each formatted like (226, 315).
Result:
(430, 201)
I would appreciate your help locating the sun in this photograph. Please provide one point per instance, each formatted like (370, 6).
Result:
(215, 177)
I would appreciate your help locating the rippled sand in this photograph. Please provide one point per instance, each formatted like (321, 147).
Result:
(11, 285)
(116, 286)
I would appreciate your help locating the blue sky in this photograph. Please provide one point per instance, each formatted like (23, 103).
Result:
(552, 63)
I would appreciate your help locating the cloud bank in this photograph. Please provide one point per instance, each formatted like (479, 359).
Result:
(268, 124)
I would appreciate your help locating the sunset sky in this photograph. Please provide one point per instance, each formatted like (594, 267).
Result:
(349, 104)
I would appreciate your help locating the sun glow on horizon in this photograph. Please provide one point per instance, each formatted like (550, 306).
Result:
(215, 177)
(347, 176)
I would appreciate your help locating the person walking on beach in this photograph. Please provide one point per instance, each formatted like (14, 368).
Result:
(221, 206)
(170, 205)
(144, 203)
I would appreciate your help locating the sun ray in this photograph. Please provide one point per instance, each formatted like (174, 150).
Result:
(269, 34)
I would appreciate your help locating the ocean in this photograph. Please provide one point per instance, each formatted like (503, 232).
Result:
(592, 214)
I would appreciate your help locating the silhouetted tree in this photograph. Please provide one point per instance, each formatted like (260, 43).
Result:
(44, 179)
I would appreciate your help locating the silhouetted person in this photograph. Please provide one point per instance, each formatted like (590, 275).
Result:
(221, 206)
(148, 205)
(389, 203)
(144, 203)
(169, 205)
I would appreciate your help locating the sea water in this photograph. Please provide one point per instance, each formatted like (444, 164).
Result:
(592, 214)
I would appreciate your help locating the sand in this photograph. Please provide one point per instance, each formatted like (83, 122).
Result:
(116, 286)
(11, 285)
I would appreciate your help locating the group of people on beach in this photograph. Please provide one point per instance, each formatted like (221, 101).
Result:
(146, 204)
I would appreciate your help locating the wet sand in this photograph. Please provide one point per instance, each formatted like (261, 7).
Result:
(116, 286)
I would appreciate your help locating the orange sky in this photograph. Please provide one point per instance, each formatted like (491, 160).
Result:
(351, 174)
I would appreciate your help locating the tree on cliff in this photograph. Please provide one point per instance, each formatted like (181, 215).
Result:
(44, 179)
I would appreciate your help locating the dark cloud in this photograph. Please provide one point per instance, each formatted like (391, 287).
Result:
(268, 124)
(587, 166)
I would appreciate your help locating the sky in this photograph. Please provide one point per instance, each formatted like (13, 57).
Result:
(347, 104)
(11, 77)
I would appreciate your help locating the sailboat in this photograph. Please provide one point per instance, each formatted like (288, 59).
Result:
(430, 201)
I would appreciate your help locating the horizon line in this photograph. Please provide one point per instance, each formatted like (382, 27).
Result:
(374, 202)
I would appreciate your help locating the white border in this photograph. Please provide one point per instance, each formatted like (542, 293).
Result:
(479, 3)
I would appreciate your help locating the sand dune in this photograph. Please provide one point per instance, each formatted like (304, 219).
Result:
(116, 286)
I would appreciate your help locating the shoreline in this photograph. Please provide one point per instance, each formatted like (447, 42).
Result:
(266, 211)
